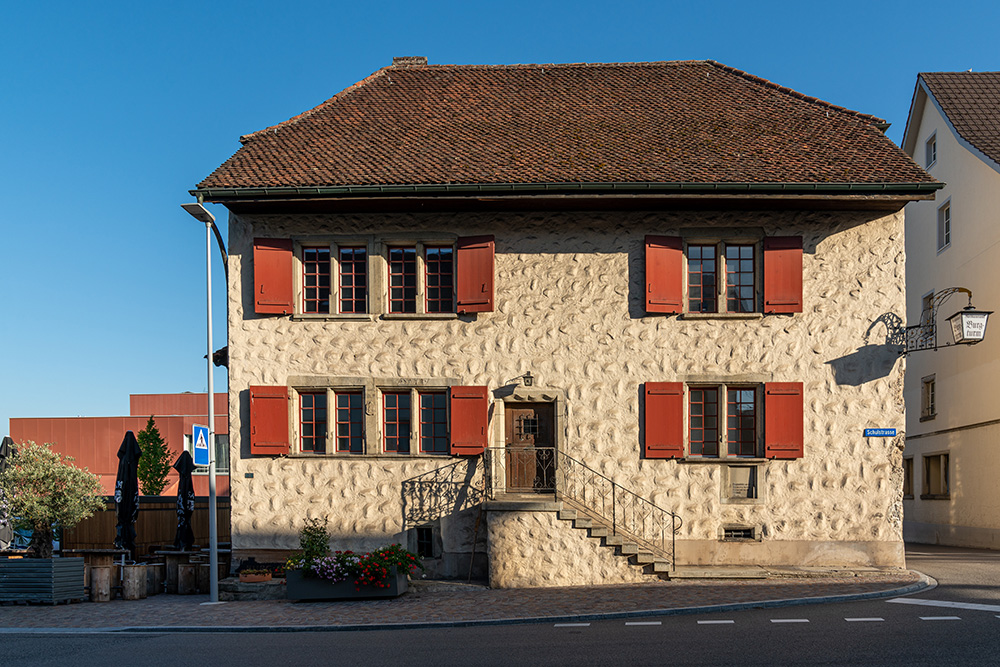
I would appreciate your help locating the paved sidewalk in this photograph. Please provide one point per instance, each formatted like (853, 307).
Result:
(430, 603)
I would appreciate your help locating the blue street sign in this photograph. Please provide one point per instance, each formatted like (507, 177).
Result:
(880, 433)
(199, 436)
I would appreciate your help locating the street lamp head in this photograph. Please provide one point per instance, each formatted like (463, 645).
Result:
(968, 325)
(199, 212)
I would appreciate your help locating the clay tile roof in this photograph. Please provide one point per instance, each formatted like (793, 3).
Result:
(657, 122)
(971, 101)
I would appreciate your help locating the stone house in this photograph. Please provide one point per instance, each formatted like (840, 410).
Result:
(953, 420)
(568, 324)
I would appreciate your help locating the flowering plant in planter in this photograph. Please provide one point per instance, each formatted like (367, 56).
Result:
(371, 568)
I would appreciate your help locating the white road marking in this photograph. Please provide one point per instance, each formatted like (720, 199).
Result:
(864, 620)
(789, 620)
(572, 625)
(944, 603)
(714, 622)
(643, 623)
(940, 618)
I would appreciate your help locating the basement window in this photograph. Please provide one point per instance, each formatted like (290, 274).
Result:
(739, 534)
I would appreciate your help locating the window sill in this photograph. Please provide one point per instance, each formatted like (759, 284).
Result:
(907, 496)
(380, 455)
(935, 496)
(332, 317)
(928, 418)
(742, 501)
(419, 316)
(729, 460)
(721, 316)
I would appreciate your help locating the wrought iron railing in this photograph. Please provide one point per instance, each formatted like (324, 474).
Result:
(577, 485)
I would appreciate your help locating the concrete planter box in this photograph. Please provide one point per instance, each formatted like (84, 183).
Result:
(301, 587)
(49, 580)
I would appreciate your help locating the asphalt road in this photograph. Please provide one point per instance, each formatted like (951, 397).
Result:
(960, 626)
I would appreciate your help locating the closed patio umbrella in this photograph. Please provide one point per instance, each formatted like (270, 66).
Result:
(185, 502)
(6, 530)
(127, 493)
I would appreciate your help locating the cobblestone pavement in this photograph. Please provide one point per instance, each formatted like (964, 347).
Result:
(454, 604)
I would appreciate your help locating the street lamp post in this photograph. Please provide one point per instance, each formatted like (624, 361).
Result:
(200, 213)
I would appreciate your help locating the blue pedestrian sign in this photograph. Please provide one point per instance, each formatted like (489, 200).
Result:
(880, 433)
(199, 436)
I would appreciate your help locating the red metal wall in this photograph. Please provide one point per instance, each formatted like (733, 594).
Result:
(93, 441)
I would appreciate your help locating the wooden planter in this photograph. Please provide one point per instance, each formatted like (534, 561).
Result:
(254, 578)
(49, 580)
(300, 587)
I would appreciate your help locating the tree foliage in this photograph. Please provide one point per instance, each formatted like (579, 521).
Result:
(155, 462)
(41, 488)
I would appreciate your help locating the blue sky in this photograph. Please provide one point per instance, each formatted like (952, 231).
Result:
(110, 112)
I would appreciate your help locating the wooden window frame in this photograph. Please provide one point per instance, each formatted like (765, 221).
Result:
(908, 477)
(313, 395)
(392, 415)
(399, 269)
(928, 397)
(338, 439)
(358, 306)
(722, 430)
(317, 273)
(944, 226)
(930, 151)
(437, 305)
(435, 439)
(723, 275)
(708, 302)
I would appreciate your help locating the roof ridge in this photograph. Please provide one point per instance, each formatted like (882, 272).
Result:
(796, 94)
(343, 93)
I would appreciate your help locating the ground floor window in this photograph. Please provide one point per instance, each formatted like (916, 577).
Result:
(936, 476)
(908, 478)
(350, 422)
(706, 410)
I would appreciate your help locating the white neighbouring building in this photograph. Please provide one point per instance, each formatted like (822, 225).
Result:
(952, 454)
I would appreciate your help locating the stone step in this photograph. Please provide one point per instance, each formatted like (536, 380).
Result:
(644, 558)
(629, 548)
(568, 515)
(583, 523)
(660, 566)
(614, 540)
(599, 531)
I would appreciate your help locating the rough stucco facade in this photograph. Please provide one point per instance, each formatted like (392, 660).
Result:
(569, 308)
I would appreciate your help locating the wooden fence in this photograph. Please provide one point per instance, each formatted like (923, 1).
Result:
(156, 525)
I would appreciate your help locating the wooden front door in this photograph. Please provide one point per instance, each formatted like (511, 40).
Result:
(530, 442)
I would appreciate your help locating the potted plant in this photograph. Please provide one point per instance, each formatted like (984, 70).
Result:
(254, 576)
(314, 573)
(42, 488)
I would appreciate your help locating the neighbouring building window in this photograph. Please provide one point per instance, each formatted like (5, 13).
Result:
(930, 151)
(316, 280)
(936, 476)
(433, 422)
(928, 408)
(701, 271)
(221, 454)
(396, 421)
(440, 279)
(353, 287)
(312, 422)
(350, 422)
(402, 280)
(908, 478)
(944, 227)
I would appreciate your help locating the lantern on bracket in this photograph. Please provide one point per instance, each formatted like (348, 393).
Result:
(968, 325)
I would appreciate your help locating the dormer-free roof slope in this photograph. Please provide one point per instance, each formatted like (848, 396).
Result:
(971, 102)
(684, 122)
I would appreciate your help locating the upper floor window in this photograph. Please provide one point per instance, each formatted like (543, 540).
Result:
(944, 227)
(930, 151)
(724, 276)
(706, 413)
(353, 266)
(346, 277)
(312, 422)
(928, 407)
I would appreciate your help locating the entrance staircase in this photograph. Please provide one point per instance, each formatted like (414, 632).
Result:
(635, 527)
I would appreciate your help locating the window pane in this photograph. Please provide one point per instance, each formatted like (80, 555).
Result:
(350, 423)
(741, 406)
(403, 280)
(433, 423)
(312, 422)
(316, 272)
(353, 280)
(440, 278)
(740, 277)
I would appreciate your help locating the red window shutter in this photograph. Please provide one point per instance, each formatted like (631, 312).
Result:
(268, 420)
(468, 408)
(272, 273)
(664, 420)
(664, 274)
(783, 274)
(474, 274)
(783, 431)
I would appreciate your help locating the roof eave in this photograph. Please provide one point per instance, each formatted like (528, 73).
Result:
(917, 190)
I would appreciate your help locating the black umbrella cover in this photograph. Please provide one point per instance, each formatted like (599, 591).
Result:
(184, 465)
(127, 493)
(6, 451)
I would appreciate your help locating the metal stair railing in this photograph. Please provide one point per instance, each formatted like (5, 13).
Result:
(548, 470)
